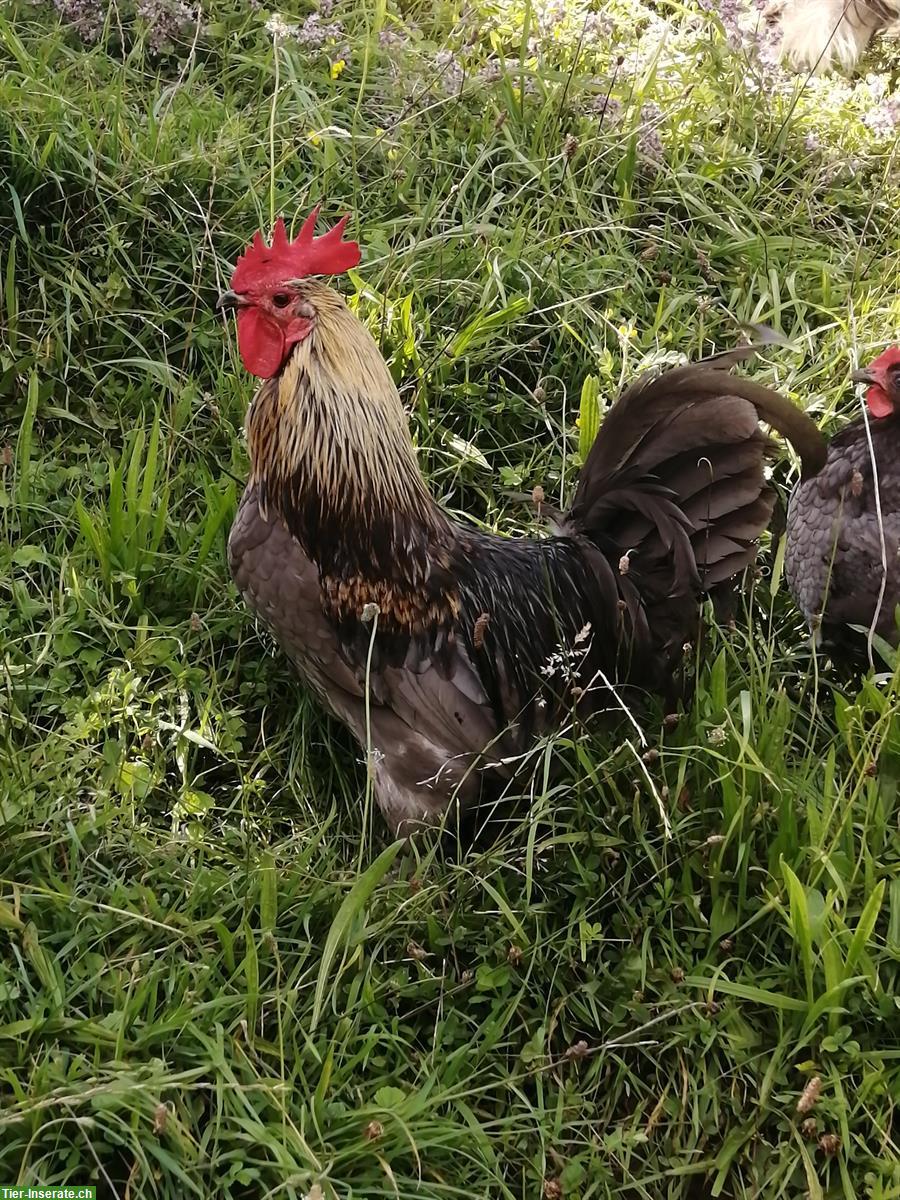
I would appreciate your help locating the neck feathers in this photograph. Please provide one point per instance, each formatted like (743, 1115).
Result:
(331, 455)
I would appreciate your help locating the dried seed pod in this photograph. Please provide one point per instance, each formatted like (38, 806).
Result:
(830, 1143)
(481, 624)
(809, 1095)
(578, 1051)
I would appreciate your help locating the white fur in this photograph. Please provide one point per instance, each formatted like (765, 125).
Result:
(819, 35)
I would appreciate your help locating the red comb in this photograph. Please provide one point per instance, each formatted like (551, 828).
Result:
(262, 266)
(886, 358)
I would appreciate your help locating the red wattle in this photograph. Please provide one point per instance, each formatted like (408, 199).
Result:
(878, 402)
(260, 342)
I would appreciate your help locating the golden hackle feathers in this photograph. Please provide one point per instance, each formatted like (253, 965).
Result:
(333, 418)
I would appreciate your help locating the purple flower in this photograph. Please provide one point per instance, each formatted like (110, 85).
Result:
(729, 13)
(166, 20)
(607, 108)
(596, 27)
(86, 17)
(649, 143)
(313, 34)
(389, 38)
(884, 118)
(451, 71)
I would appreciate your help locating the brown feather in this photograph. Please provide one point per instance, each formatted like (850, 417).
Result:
(478, 641)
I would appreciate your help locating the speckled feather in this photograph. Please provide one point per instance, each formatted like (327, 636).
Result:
(482, 640)
(833, 558)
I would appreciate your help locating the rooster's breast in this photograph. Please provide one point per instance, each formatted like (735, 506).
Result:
(281, 587)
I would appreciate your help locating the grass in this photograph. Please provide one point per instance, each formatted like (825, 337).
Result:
(218, 978)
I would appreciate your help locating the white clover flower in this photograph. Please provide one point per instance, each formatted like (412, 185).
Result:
(279, 29)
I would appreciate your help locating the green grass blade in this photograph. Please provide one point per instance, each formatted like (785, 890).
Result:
(351, 907)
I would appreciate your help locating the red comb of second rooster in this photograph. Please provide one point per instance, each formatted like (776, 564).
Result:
(262, 266)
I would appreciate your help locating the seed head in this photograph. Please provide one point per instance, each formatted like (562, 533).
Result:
(809, 1096)
(481, 624)
(830, 1143)
(578, 1051)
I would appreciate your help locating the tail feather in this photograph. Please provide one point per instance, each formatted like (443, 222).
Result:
(674, 492)
(744, 524)
(693, 473)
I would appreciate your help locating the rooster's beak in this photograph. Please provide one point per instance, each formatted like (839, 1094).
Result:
(228, 301)
(863, 375)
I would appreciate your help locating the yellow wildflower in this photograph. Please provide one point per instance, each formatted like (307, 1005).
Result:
(337, 68)
(313, 137)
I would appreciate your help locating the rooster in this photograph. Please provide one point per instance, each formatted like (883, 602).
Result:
(817, 35)
(443, 648)
(838, 567)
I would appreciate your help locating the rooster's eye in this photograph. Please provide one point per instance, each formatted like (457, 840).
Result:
(281, 299)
